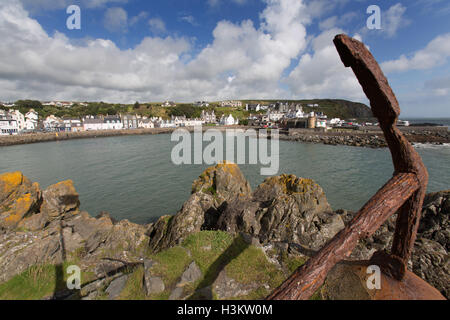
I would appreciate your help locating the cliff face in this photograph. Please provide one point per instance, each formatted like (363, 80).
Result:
(223, 234)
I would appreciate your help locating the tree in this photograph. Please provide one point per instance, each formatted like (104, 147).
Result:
(29, 104)
(137, 105)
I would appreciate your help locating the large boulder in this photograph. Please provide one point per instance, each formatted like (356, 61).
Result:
(284, 208)
(214, 188)
(435, 222)
(19, 198)
(59, 199)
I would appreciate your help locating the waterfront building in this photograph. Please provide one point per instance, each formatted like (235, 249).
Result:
(91, 123)
(208, 117)
(146, 123)
(129, 121)
(282, 107)
(275, 115)
(19, 117)
(293, 114)
(52, 123)
(112, 122)
(8, 125)
(228, 121)
(31, 120)
(72, 124)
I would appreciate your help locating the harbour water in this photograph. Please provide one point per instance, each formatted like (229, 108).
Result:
(133, 177)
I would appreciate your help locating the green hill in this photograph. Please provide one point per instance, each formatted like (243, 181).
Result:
(333, 108)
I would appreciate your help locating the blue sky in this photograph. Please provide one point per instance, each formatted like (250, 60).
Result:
(188, 50)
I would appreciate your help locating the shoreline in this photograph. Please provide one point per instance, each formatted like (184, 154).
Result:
(370, 137)
(6, 141)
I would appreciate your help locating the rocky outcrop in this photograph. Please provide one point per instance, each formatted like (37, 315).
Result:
(19, 199)
(285, 212)
(284, 208)
(211, 192)
(47, 227)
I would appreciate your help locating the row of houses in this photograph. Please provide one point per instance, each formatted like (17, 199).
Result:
(282, 107)
(13, 122)
(131, 121)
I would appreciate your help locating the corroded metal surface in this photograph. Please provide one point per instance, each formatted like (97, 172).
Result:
(404, 193)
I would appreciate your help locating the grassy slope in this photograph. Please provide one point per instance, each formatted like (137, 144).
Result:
(213, 251)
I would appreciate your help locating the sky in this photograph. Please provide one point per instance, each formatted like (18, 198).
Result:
(190, 50)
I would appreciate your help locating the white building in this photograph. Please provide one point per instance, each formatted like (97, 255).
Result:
(168, 104)
(8, 125)
(295, 114)
(91, 123)
(52, 122)
(31, 120)
(19, 117)
(146, 123)
(336, 122)
(130, 121)
(193, 122)
(253, 107)
(208, 117)
(166, 124)
(112, 123)
(201, 104)
(321, 123)
(275, 115)
(228, 121)
(231, 103)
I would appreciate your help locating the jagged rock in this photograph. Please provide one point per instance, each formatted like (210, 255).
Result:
(60, 199)
(154, 285)
(176, 294)
(435, 222)
(92, 287)
(215, 187)
(431, 262)
(19, 198)
(190, 275)
(116, 286)
(284, 208)
(225, 287)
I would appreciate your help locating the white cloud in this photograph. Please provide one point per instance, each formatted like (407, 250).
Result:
(436, 53)
(157, 26)
(244, 60)
(393, 19)
(189, 19)
(116, 19)
(141, 16)
(322, 74)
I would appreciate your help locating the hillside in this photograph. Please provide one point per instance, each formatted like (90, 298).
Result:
(333, 108)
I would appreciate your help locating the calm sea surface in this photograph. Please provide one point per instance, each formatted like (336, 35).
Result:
(133, 177)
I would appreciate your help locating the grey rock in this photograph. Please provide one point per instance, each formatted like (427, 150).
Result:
(154, 285)
(176, 294)
(116, 286)
(190, 275)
